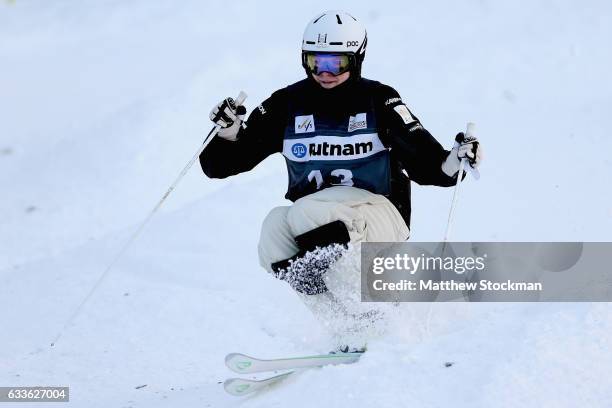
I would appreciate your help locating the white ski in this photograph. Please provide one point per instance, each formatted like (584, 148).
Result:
(243, 364)
(243, 386)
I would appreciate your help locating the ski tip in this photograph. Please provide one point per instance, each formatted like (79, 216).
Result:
(238, 362)
(236, 387)
(231, 356)
(243, 386)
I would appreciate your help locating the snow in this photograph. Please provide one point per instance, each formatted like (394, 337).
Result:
(103, 102)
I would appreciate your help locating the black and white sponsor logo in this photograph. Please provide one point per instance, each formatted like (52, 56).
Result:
(392, 100)
(359, 121)
(262, 109)
(332, 147)
(415, 127)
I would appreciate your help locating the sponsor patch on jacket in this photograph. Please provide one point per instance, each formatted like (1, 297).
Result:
(415, 127)
(359, 121)
(403, 111)
(304, 124)
(392, 100)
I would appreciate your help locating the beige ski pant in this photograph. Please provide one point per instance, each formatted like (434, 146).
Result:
(368, 217)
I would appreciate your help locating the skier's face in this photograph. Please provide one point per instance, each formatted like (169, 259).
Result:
(329, 81)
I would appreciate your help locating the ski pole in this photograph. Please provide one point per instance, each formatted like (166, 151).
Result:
(239, 100)
(469, 131)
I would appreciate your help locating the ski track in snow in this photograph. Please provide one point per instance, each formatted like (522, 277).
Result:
(101, 104)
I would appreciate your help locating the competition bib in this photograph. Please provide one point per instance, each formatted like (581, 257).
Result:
(323, 153)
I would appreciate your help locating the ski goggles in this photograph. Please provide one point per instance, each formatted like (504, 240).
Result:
(335, 64)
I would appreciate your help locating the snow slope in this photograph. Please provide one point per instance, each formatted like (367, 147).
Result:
(101, 104)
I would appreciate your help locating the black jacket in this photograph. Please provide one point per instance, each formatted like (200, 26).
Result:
(415, 154)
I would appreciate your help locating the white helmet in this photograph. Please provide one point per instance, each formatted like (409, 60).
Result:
(335, 32)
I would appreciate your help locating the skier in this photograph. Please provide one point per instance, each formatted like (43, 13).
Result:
(351, 146)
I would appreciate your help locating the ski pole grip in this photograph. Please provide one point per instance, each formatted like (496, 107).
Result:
(241, 98)
(470, 129)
